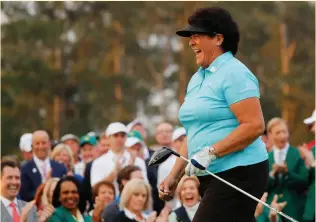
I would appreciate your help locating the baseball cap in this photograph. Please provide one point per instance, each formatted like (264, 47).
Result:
(311, 119)
(114, 128)
(177, 133)
(69, 137)
(133, 123)
(88, 140)
(26, 142)
(133, 138)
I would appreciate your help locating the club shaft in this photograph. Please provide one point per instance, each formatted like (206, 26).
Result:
(247, 194)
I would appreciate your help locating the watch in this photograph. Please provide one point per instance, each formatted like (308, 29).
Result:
(211, 152)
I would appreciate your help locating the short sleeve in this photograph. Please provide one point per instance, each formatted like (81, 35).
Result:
(240, 85)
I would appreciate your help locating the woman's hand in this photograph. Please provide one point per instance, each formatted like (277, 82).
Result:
(99, 205)
(46, 213)
(25, 211)
(202, 159)
(152, 217)
(279, 206)
(167, 188)
(163, 216)
(307, 155)
(260, 206)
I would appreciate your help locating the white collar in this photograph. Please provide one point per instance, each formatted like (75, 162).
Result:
(193, 208)
(284, 149)
(111, 153)
(7, 202)
(39, 161)
(132, 216)
(79, 217)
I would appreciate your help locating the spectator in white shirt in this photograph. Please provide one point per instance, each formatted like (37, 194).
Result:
(106, 165)
(164, 169)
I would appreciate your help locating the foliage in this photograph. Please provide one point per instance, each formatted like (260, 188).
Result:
(87, 54)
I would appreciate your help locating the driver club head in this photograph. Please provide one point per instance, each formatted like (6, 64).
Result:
(161, 155)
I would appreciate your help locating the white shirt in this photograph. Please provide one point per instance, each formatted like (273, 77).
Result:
(7, 203)
(39, 164)
(132, 216)
(104, 165)
(280, 154)
(80, 168)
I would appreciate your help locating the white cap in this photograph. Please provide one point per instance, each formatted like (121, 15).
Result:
(114, 128)
(178, 133)
(311, 119)
(133, 123)
(131, 141)
(26, 142)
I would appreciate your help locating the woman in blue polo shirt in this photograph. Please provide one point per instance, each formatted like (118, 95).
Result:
(223, 119)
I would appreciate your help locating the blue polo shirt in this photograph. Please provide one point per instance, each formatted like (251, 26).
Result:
(206, 116)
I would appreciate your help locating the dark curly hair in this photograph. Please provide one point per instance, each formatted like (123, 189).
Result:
(56, 202)
(218, 20)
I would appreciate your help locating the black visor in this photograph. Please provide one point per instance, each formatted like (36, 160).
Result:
(190, 30)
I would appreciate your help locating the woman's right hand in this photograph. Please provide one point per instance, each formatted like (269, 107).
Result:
(26, 209)
(167, 188)
(46, 213)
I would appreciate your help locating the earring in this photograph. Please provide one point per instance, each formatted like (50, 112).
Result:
(218, 44)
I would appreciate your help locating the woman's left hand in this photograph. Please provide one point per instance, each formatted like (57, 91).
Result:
(152, 217)
(199, 162)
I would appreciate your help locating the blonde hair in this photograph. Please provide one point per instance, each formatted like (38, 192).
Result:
(47, 188)
(275, 122)
(130, 188)
(63, 147)
(181, 183)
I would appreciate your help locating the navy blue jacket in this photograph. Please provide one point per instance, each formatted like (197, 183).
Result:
(31, 178)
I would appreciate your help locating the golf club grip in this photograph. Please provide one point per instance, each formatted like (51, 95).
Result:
(244, 192)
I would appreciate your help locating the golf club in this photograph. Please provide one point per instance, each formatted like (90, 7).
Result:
(163, 153)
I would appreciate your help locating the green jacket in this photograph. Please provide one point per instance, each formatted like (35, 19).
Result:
(309, 211)
(290, 187)
(61, 214)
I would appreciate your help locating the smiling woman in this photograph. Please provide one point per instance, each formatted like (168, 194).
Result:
(188, 193)
(222, 115)
(135, 200)
(66, 200)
